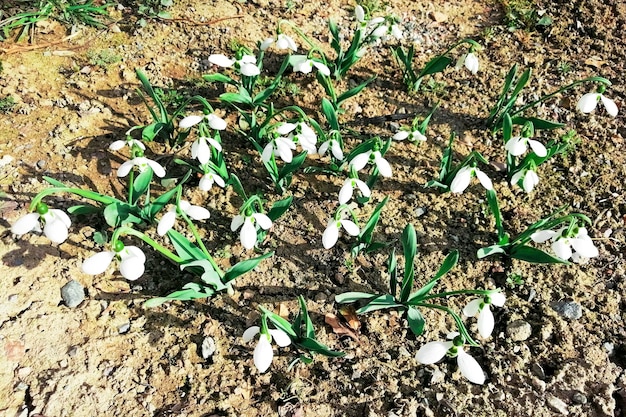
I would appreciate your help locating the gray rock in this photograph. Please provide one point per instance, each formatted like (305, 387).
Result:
(208, 347)
(538, 371)
(568, 309)
(519, 330)
(73, 293)
(579, 398)
(124, 328)
(557, 405)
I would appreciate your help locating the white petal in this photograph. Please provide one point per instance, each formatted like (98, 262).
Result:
(262, 220)
(417, 135)
(588, 102)
(285, 128)
(125, 168)
(432, 352)
(359, 161)
(497, 299)
(132, 268)
(336, 150)
(117, 145)
(248, 235)
(133, 252)
(98, 263)
(609, 105)
(584, 247)
(365, 190)
(562, 249)
(281, 338)
(166, 223)
(201, 151)
(189, 121)
(263, 354)
(55, 229)
(25, 224)
(517, 176)
(484, 179)
(401, 135)
(323, 148)
(350, 227)
(460, 62)
(221, 60)
(516, 145)
(461, 180)
(542, 235)
(359, 13)
(345, 194)
(322, 68)
(248, 59)
(471, 63)
(266, 43)
(237, 222)
(383, 166)
(538, 148)
(472, 308)
(250, 333)
(219, 180)
(397, 33)
(198, 213)
(268, 151)
(206, 182)
(380, 31)
(485, 322)
(530, 180)
(215, 122)
(215, 144)
(331, 234)
(286, 42)
(250, 70)
(470, 368)
(158, 170)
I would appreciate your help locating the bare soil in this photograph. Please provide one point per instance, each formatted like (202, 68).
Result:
(57, 361)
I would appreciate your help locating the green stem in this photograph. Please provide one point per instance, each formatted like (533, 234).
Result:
(125, 230)
(194, 231)
(457, 292)
(77, 191)
(457, 319)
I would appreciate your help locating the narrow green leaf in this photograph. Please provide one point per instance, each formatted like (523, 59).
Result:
(409, 247)
(329, 111)
(244, 266)
(279, 322)
(378, 303)
(351, 297)
(220, 78)
(141, 184)
(117, 214)
(354, 91)
(367, 231)
(182, 295)
(416, 321)
(539, 124)
(83, 209)
(317, 347)
(184, 248)
(530, 254)
(292, 166)
(279, 208)
(488, 251)
(435, 65)
(448, 263)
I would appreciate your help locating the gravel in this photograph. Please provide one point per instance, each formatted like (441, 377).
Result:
(73, 293)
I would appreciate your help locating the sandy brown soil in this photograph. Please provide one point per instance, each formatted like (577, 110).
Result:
(57, 361)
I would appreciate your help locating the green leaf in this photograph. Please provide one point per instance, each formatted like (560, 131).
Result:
(141, 184)
(279, 208)
(152, 131)
(220, 78)
(309, 329)
(530, 254)
(448, 263)
(117, 214)
(492, 200)
(354, 91)
(182, 295)
(313, 345)
(539, 124)
(392, 269)
(366, 233)
(236, 98)
(488, 251)
(409, 247)
(209, 276)
(184, 248)
(83, 209)
(379, 303)
(416, 321)
(279, 322)
(435, 65)
(329, 111)
(292, 166)
(351, 297)
(54, 182)
(244, 266)
(507, 128)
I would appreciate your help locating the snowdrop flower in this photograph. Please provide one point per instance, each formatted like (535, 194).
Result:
(589, 102)
(359, 13)
(210, 178)
(345, 194)
(248, 234)
(433, 352)
(142, 163)
(331, 234)
(282, 42)
(169, 218)
(215, 122)
(334, 147)
(480, 307)
(562, 244)
(281, 145)
(132, 261)
(470, 61)
(517, 145)
(530, 179)
(412, 136)
(359, 161)
(56, 223)
(246, 64)
(301, 133)
(201, 150)
(463, 177)
(301, 63)
(263, 352)
(130, 142)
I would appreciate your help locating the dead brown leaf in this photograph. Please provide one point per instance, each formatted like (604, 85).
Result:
(594, 61)
(338, 327)
(349, 313)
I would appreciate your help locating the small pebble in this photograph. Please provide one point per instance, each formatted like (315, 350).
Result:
(420, 211)
(73, 294)
(609, 347)
(519, 330)
(579, 398)
(538, 371)
(41, 164)
(124, 328)
(208, 347)
(557, 405)
(568, 309)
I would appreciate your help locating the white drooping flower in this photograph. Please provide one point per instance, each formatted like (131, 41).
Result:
(201, 150)
(300, 133)
(169, 218)
(132, 262)
(56, 223)
(345, 194)
(215, 122)
(334, 147)
(283, 146)
(433, 352)
(263, 352)
(359, 161)
(517, 145)
(463, 177)
(303, 64)
(470, 61)
(589, 102)
(130, 142)
(248, 235)
(246, 64)
(529, 181)
(331, 234)
(411, 135)
(577, 246)
(282, 42)
(480, 307)
(210, 178)
(142, 163)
